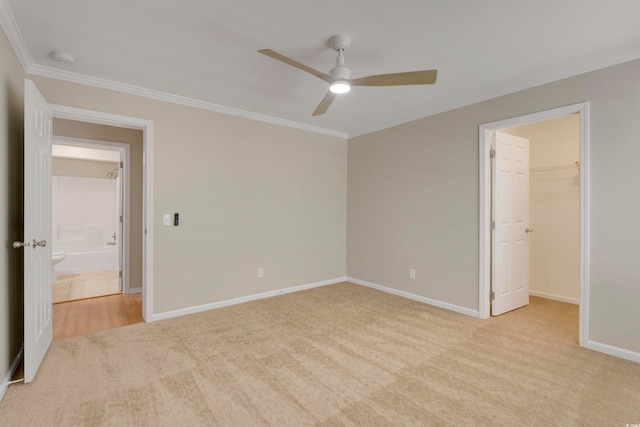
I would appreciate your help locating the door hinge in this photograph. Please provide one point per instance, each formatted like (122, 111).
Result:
(120, 219)
(121, 165)
(493, 225)
(120, 274)
(493, 295)
(492, 153)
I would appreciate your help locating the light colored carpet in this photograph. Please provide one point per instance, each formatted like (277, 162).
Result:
(336, 355)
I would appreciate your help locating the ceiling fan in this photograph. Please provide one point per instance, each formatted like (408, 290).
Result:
(339, 76)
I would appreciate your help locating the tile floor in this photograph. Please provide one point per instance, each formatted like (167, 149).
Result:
(71, 287)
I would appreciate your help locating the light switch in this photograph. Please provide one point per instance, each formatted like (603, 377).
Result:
(166, 219)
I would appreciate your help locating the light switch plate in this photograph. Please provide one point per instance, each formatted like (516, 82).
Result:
(166, 219)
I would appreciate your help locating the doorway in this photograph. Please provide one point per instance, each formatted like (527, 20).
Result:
(487, 133)
(90, 117)
(90, 218)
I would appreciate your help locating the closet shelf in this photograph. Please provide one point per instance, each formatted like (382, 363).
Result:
(576, 166)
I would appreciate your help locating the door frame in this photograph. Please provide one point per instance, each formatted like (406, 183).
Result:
(124, 242)
(485, 132)
(146, 126)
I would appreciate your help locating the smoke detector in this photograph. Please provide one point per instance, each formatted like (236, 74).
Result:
(62, 56)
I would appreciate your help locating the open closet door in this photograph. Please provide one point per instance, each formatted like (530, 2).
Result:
(510, 243)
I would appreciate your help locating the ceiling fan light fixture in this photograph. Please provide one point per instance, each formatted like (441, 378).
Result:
(340, 86)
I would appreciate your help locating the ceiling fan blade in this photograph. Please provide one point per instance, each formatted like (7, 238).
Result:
(324, 104)
(275, 55)
(425, 77)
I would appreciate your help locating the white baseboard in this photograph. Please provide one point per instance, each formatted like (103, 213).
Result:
(445, 305)
(240, 300)
(12, 369)
(137, 290)
(575, 301)
(613, 351)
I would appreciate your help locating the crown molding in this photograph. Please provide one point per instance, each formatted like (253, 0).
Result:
(82, 79)
(10, 27)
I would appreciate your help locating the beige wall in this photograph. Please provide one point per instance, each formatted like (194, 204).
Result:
(554, 206)
(413, 199)
(133, 138)
(250, 195)
(11, 136)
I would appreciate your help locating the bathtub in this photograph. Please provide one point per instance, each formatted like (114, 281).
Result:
(92, 259)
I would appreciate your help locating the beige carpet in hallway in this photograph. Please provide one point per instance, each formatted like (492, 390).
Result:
(336, 355)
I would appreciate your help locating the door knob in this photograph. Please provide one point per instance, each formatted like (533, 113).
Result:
(528, 230)
(42, 243)
(17, 244)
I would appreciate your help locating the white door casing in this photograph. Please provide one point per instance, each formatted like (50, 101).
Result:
(120, 235)
(37, 230)
(510, 239)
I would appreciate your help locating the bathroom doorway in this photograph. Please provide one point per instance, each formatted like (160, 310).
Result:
(90, 184)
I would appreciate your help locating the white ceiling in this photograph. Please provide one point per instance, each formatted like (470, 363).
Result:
(205, 50)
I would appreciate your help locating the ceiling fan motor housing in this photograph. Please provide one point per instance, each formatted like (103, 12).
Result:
(340, 42)
(340, 71)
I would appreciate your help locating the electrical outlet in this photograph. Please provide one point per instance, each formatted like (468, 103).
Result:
(260, 273)
(412, 273)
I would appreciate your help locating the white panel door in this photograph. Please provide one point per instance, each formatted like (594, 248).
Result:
(510, 239)
(37, 229)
